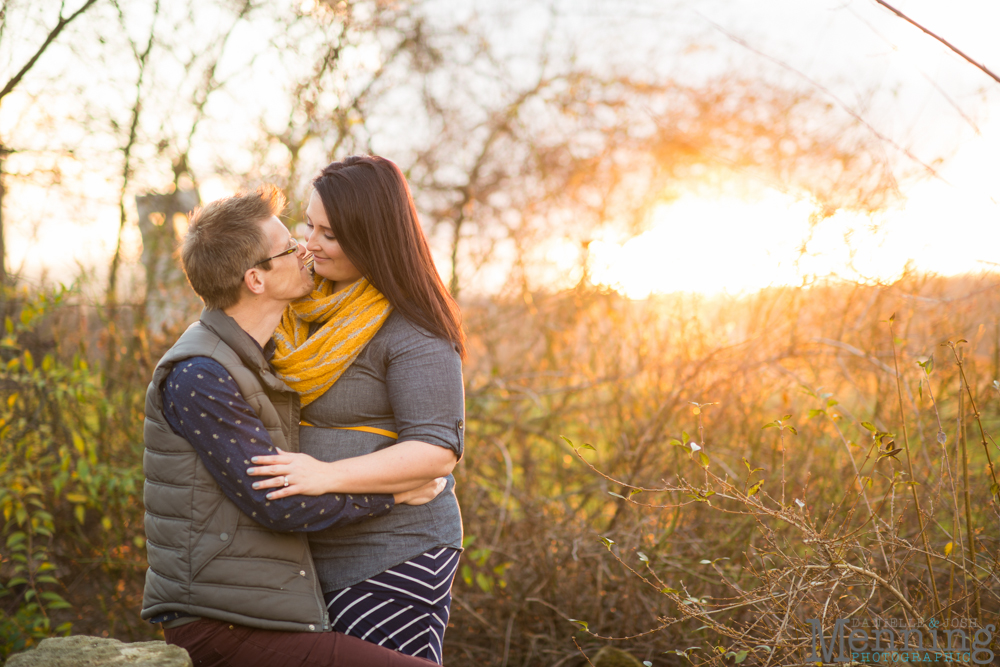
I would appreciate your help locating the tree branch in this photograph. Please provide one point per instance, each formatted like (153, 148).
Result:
(63, 22)
(939, 38)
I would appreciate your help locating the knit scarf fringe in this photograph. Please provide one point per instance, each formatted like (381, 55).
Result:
(351, 317)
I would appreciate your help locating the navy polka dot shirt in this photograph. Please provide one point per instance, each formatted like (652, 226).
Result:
(203, 405)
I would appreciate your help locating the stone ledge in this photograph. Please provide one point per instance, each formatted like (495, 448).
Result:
(83, 651)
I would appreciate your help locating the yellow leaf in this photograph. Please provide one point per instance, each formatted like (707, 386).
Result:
(78, 443)
(76, 498)
(948, 547)
(11, 400)
(80, 513)
(29, 361)
(106, 522)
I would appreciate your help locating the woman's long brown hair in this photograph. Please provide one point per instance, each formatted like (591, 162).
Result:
(372, 215)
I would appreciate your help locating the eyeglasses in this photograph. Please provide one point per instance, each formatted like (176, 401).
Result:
(289, 251)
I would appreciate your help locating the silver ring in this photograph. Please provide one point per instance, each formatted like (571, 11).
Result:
(285, 477)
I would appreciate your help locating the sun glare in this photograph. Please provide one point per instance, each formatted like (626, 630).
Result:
(732, 245)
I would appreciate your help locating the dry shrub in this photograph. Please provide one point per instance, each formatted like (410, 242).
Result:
(550, 538)
(705, 556)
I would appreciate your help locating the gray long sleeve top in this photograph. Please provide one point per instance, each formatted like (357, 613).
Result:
(406, 381)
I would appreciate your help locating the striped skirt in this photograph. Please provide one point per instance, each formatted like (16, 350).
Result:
(405, 608)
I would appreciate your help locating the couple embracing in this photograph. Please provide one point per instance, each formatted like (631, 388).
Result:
(300, 437)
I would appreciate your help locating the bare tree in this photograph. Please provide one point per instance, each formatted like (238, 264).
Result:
(62, 21)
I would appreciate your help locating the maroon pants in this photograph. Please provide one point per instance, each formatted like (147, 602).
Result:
(219, 644)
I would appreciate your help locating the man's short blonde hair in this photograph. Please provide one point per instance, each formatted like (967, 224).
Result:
(225, 239)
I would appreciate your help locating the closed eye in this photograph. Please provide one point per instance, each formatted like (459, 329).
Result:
(328, 237)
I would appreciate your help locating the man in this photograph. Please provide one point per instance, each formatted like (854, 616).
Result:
(230, 574)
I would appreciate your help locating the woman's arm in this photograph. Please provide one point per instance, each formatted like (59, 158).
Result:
(423, 380)
(401, 467)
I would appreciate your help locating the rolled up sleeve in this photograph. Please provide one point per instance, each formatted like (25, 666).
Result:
(424, 383)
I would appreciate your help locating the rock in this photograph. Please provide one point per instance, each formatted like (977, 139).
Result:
(83, 651)
(613, 657)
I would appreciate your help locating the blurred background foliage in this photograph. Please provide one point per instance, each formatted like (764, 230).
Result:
(132, 110)
(544, 533)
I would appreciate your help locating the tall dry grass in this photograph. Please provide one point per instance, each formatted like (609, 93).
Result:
(729, 548)
(733, 545)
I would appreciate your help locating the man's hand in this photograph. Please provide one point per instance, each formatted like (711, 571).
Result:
(422, 494)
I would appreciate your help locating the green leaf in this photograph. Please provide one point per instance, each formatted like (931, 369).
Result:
(786, 418)
(668, 590)
(830, 402)
(632, 492)
(608, 543)
(769, 425)
(792, 429)
(816, 413)
(752, 491)
(568, 441)
(589, 446)
(869, 426)
(16, 581)
(741, 656)
(617, 495)
(15, 539)
(582, 624)
(675, 442)
(80, 513)
(703, 458)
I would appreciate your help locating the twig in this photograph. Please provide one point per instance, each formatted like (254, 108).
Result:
(582, 653)
(944, 41)
(909, 466)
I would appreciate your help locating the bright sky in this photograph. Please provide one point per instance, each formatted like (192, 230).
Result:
(906, 84)
(943, 107)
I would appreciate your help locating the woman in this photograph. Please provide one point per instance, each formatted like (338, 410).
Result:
(375, 353)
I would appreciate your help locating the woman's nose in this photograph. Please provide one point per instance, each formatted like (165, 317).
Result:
(311, 244)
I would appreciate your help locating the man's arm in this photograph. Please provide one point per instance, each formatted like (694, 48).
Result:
(203, 404)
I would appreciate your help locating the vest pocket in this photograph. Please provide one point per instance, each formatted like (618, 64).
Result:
(216, 534)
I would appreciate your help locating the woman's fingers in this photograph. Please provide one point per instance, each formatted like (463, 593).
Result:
(273, 459)
(283, 491)
(272, 483)
(269, 471)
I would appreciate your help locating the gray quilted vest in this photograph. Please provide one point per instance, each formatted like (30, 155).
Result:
(206, 557)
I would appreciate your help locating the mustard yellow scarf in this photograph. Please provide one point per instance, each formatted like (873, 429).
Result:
(311, 364)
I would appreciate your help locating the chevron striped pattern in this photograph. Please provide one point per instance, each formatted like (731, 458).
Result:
(405, 608)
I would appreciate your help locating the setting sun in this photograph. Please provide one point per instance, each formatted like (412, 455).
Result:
(730, 244)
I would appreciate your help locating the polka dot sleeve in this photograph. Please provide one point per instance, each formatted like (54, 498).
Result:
(203, 405)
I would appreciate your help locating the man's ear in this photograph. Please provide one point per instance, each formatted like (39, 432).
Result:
(254, 280)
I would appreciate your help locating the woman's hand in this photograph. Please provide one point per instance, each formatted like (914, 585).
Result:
(422, 494)
(291, 474)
